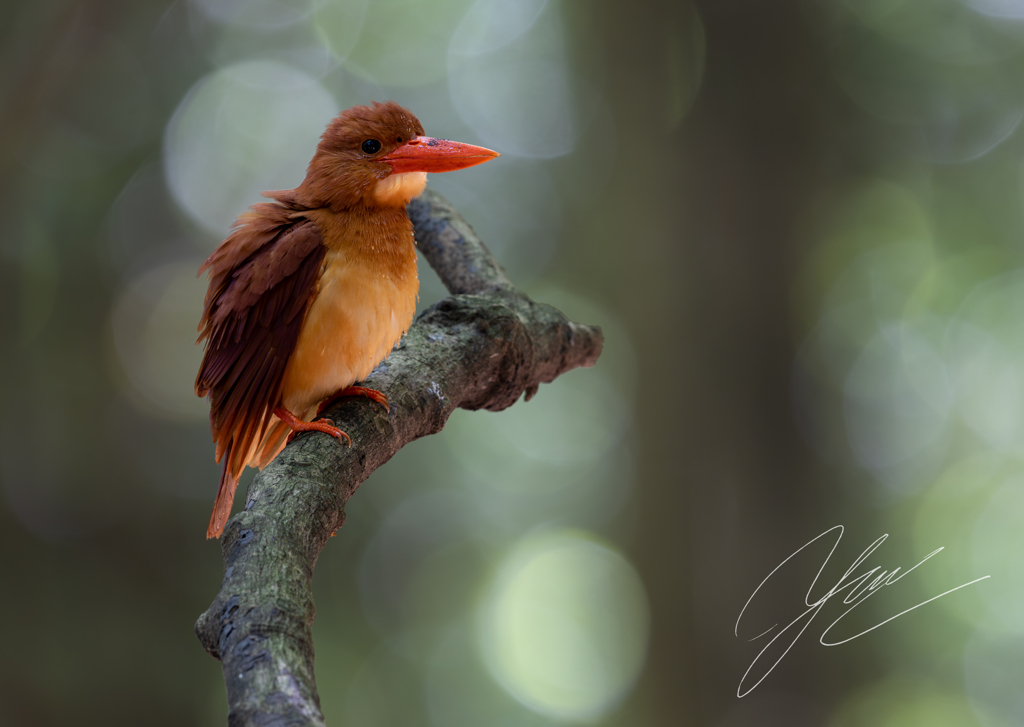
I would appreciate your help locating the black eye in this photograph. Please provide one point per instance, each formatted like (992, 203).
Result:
(371, 146)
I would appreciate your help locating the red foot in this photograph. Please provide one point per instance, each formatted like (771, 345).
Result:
(356, 391)
(320, 425)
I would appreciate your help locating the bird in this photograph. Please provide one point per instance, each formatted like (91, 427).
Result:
(311, 290)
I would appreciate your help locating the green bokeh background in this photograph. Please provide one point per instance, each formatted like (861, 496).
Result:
(799, 223)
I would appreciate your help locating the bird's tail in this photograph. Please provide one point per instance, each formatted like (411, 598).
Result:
(273, 442)
(225, 497)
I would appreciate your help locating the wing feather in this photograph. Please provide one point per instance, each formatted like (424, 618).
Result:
(262, 280)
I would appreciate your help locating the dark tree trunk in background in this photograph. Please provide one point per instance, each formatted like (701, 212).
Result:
(708, 301)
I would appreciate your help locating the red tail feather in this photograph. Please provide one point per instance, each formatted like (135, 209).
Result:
(225, 497)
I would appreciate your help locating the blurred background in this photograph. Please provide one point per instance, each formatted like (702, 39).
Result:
(800, 225)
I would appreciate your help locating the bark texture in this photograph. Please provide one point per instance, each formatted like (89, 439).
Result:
(481, 348)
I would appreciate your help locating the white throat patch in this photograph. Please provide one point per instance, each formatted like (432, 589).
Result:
(398, 189)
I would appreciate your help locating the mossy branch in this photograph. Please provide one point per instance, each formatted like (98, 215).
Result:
(481, 348)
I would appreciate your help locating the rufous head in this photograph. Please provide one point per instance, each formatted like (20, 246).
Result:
(377, 156)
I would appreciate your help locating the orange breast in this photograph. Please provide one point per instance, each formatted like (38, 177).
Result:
(366, 301)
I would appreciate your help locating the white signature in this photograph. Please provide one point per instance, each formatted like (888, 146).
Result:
(861, 587)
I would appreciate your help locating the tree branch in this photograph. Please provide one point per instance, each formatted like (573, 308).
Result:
(479, 349)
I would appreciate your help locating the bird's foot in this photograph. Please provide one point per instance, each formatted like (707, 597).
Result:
(356, 391)
(320, 425)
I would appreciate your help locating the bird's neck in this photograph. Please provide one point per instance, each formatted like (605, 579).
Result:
(379, 239)
(324, 186)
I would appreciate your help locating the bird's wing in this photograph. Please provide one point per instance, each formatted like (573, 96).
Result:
(262, 279)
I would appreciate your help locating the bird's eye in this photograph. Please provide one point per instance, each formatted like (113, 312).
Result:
(371, 146)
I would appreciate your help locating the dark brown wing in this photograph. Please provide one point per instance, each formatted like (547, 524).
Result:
(254, 311)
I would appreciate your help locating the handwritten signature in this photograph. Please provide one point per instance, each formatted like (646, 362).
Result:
(860, 588)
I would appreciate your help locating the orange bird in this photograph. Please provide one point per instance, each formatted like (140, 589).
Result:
(311, 291)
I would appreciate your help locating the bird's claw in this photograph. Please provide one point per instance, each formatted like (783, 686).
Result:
(320, 425)
(371, 394)
(334, 431)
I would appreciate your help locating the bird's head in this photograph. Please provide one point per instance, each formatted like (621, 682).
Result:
(377, 156)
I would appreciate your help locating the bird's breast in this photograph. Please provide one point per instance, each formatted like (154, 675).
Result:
(360, 311)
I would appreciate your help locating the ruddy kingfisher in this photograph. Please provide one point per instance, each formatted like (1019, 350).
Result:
(311, 291)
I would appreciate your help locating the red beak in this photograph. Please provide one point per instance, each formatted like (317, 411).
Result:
(424, 154)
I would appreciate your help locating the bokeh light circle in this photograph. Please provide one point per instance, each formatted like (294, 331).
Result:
(154, 322)
(1004, 9)
(258, 14)
(246, 128)
(564, 629)
(993, 664)
(996, 544)
(901, 702)
(549, 449)
(927, 65)
(517, 97)
(897, 399)
(338, 25)
(491, 24)
(404, 42)
(985, 346)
